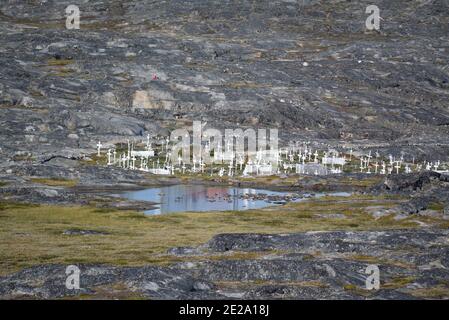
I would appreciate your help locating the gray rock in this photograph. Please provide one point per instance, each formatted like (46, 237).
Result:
(446, 211)
(78, 232)
(115, 82)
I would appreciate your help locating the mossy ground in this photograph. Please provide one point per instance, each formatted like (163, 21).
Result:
(33, 234)
(55, 182)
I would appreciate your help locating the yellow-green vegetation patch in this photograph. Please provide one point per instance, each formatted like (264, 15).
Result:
(357, 290)
(115, 291)
(398, 282)
(59, 62)
(364, 258)
(94, 159)
(437, 292)
(56, 182)
(23, 157)
(379, 260)
(437, 206)
(3, 183)
(5, 205)
(64, 72)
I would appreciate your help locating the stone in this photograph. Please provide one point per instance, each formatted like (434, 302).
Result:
(73, 136)
(153, 99)
(446, 211)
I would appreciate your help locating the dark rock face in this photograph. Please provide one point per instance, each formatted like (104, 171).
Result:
(337, 241)
(156, 282)
(308, 68)
(422, 190)
(411, 182)
(313, 265)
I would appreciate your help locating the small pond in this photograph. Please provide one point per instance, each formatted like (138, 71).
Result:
(199, 198)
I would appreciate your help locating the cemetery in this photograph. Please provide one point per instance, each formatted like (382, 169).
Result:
(297, 159)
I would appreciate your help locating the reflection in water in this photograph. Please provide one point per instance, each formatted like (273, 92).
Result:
(183, 198)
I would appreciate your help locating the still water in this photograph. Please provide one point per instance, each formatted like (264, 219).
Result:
(186, 198)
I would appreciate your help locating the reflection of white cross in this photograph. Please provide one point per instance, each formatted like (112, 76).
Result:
(124, 160)
(99, 145)
(202, 166)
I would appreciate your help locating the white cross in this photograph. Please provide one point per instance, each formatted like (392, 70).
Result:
(99, 145)
(398, 166)
(369, 157)
(133, 162)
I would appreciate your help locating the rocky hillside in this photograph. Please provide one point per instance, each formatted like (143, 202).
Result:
(308, 67)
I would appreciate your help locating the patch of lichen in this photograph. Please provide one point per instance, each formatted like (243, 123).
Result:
(437, 292)
(56, 182)
(64, 72)
(59, 62)
(23, 157)
(437, 206)
(379, 260)
(398, 282)
(95, 159)
(114, 291)
(6, 205)
(358, 290)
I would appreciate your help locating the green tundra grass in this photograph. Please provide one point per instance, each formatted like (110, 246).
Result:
(33, 234)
